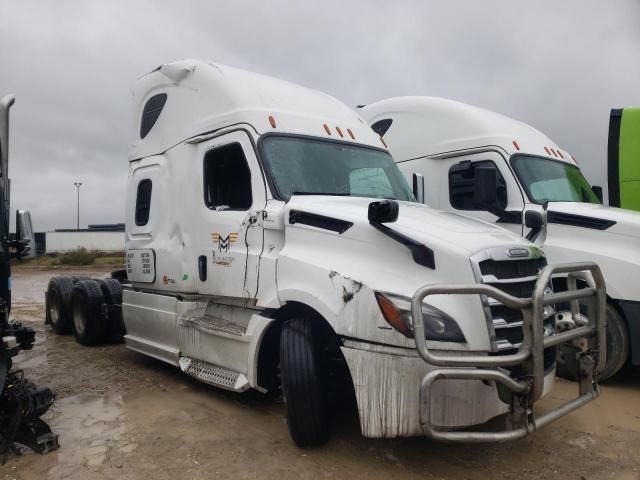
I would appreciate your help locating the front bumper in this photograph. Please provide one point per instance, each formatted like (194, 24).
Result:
(400, 393)
(521, 393)
(387, 383)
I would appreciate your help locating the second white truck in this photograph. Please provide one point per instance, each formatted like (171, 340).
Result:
(484, 165)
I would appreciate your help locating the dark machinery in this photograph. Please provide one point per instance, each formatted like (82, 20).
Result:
(21, 402)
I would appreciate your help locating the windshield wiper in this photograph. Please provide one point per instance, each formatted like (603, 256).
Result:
(322, 193)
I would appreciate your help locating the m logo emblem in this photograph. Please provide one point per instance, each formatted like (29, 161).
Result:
(224, 242)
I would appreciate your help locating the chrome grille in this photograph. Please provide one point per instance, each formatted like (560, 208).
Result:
(517, 277)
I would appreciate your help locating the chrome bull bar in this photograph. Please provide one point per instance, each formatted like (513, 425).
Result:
(590, 339)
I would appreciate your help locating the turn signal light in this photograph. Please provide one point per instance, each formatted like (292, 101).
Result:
(393, 315)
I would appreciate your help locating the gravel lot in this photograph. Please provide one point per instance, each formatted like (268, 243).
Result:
(122, 415)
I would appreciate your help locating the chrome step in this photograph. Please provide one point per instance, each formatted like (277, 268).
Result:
(214, 375)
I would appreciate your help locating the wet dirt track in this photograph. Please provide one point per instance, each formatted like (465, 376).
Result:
(122, 415)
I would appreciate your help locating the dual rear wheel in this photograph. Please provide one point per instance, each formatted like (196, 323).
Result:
(87, 308)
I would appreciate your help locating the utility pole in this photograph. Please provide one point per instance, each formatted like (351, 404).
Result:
(78, 185)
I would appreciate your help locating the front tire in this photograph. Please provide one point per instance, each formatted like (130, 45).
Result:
(303, 384)
(617, 349)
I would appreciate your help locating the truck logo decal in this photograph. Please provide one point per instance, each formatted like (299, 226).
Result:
(224, 242)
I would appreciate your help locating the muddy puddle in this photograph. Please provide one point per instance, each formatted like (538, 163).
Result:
(122, 415)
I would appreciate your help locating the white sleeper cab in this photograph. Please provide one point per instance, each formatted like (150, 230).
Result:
(273, 243)
(482, 164)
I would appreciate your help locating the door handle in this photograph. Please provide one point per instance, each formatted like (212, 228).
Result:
(202, 268)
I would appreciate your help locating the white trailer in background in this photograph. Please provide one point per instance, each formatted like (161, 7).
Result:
(272, 242)
(487, 166)
(61, 241)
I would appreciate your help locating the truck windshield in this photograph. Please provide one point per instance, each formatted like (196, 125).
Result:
(317, 167)
(548, 180)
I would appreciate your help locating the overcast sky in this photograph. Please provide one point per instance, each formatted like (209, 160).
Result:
(559, 66)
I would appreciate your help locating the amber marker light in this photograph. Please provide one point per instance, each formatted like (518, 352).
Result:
(392, 315)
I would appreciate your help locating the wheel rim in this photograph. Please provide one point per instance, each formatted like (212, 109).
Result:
(78, 318)
(53, 309)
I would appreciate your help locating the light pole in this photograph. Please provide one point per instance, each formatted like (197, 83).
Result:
(78, 185)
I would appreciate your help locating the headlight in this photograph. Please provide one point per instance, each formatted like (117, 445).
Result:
(438, 325)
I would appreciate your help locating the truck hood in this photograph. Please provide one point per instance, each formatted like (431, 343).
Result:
(417, 221)
(627, 222)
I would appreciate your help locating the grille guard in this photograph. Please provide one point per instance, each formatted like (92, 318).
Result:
(530, 355)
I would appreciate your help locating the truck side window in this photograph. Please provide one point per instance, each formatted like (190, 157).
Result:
(227, 179)
(461, 193)
(143, 202)
(151, 112)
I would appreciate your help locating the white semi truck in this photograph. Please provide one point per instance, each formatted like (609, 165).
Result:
(272, 242)
(484, 165)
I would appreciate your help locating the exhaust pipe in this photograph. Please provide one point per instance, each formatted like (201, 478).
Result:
(5, 105)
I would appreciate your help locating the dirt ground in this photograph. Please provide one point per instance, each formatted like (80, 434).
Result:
(122, 415)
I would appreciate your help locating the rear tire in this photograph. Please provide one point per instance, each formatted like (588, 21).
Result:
(112, 292)
(89, 325)
(303, 384)
(58, 304)
(79, 278)
(617, 349)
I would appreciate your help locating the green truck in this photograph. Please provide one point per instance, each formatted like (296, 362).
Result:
(624, 158)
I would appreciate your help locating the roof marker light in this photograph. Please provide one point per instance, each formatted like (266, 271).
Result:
(515, 144)
(339, 132)
(554, 152)
(272, 121)
(353, 137)
(560, 153)
(383, 142)
(327, 129)
(547, 150)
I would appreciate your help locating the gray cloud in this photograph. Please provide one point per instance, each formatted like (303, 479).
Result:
(559, 66)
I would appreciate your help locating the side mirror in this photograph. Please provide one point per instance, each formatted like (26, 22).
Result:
(418, 187)
(25, 239)
(533, 220)
(485, 187)
(598, 191)
(383, 212)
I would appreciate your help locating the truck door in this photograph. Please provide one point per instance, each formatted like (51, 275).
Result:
(228, 232)
(458, 174)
